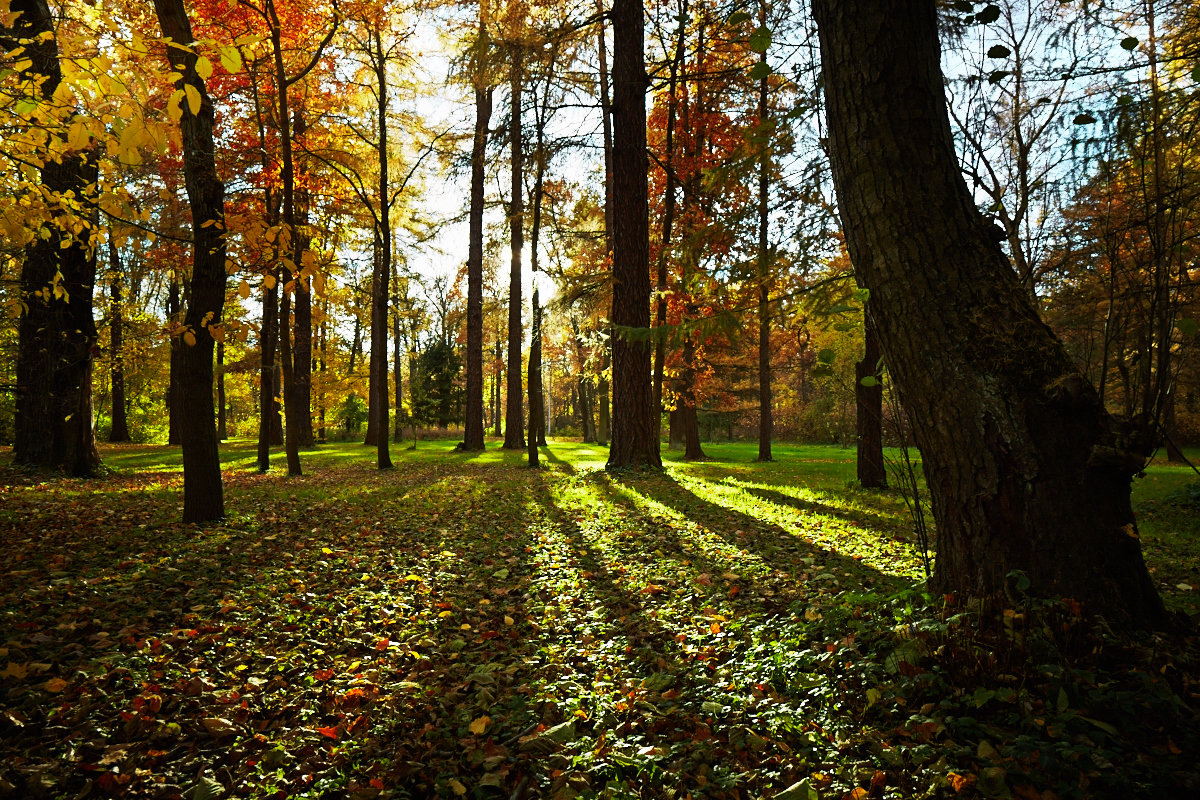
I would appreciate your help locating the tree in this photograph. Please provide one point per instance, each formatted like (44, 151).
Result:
(514, 436)
(1026, 470)
(56, 332)
(634, 441)
(473, 424)
(203, 498)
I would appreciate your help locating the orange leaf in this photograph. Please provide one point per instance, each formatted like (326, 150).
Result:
(331, 732)
(858, 794)
(323, 674)
(715, 627)
(55, 685)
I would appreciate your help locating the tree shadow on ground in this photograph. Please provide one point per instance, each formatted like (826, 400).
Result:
(779, 548)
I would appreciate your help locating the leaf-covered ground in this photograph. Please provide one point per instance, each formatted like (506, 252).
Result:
(465, 626)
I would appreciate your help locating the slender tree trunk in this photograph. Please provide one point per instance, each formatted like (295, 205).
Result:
(383, 269)
(120, 423)
(222, 426)
(267, 340)
(765, 421)
(473, 425)
(872, 472)
(668, 219)
(497, 407)
(1025, 468)
(604, 400)
(203, 498)
(514, 438)
(692, 450)
(371, 438)
(323, 349)
(397, 363)
(173, 369)
(634, 440)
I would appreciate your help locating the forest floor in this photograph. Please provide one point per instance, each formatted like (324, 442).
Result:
(465, 626)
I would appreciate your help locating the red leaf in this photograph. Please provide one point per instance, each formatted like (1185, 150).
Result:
(323, 674)
(332, 732)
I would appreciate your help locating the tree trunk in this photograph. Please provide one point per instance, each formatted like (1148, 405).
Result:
(514, 438)
(692, 451)
(203, 498)
(872, 473)
(116, 330)
(380, 281)
(173, 368)
(634, 427)
(497, 406)
(222, 426)
(765, 421)
(1025, 468)
(267, 337)
(473, 424)
(603, 429)
(397, 366)
(56, 333)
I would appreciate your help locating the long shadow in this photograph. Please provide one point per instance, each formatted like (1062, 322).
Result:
(778, 547)
(814, 507)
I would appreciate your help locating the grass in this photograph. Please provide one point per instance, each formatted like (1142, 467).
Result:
(464, 626)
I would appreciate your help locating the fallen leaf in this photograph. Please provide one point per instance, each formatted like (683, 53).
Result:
(480, 725)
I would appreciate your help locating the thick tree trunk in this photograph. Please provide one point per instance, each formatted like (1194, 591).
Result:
(119, 431)
(514, 438)
(634, 440)
(1025, 468)
(203, 498)
(56, 333)
(473, 424)
(872, 472)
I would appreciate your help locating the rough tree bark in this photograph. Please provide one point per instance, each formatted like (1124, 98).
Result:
(634, 440)
(56, 333)
(203, 498)
(1025, 468)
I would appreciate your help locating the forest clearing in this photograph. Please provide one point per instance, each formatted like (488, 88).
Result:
(465, 626)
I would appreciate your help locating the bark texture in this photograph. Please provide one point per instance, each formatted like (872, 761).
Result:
(514, 435)
(473, 424)
(203, 498)
(1025, 468)
(634, 441)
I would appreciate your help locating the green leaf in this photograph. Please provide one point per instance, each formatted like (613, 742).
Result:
(25, 106)
(1124, 100)
(869, 381)
(760, 71)
(1084, 119)
(1063, 702)
(738, 17)
(799, 791)
(990, 13)
(1188, 326)
(760, 39)
(1129, 43)
(998, 51)
(1104, 726)
(827, 356)
(1196, 75)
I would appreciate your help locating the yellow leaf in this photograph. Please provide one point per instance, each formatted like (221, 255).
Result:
(55, 685)
(269, 281)
(243, 290)
(78, 136)
(14, 670)
(444, 614)
(190, 338)
(508, 620)
(204, 68)
(417, 578)
(231, 59)
(480, 725)
(457, 787)
(23, 64)
(193, 98)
